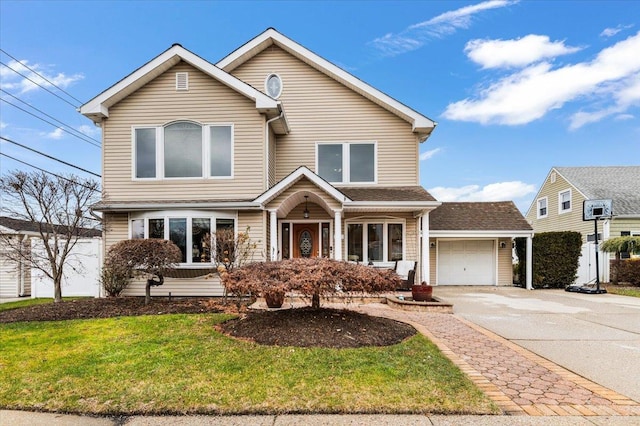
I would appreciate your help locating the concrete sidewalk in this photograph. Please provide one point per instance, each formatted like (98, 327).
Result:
(23, 418)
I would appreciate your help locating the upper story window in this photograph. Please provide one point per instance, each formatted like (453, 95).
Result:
(564, 201)
(183, 150)
(348, 162)
(542, 208)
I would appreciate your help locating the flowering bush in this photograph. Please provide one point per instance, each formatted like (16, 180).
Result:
(311, 277)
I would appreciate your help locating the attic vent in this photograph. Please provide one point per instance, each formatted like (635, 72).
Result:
(553, 177)
(182, 81)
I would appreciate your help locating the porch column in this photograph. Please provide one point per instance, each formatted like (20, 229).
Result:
(424, 276)
(273, 230)
(337, 235)
(529, 284)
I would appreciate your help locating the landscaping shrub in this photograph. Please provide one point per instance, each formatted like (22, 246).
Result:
(628, 270)
(555, 258)
(311, 277)
(114, 278)
(149, 258)
(521, 252)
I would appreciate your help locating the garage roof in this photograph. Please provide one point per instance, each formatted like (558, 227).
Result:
(478, 216)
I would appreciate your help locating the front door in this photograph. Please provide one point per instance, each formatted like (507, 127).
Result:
(305, 240)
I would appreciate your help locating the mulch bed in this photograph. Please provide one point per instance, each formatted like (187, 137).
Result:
(329, 328)
(302, 327)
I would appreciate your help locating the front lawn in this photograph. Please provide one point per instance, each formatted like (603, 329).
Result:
(29, 302)
(180, 364)
(623, 291)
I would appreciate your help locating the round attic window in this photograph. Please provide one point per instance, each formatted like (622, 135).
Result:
(273, 86)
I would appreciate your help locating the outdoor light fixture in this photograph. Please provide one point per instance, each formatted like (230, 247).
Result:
(306, 210)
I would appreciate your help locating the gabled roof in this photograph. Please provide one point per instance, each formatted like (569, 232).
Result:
(420, 123)
(618, 183)
(98, 108)
(19, 226)
(478, 216)
(294, 177)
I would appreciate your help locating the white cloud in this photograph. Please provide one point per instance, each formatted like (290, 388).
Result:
(501, 191)
(610, 32)
(56, 134)
(622, 117)
(527, 95)
(16, 82)
(429, 154)
(3, 125)
(515, 53)
(89, 130)
(415, 36)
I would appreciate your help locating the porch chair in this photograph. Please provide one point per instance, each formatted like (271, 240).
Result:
(406, 270)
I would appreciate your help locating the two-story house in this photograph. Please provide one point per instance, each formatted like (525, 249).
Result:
(274, 138)
(559, 202)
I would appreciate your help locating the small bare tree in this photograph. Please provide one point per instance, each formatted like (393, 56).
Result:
(58, 207)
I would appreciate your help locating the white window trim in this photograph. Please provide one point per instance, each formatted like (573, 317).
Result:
(346, 161)
(546, 200)
(266, 80)
(385, 238)
(560, 209)
(206, 142)
(184, 214)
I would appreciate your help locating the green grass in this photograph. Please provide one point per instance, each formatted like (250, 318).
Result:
(624, 291)
(180, 364)
(29, 302)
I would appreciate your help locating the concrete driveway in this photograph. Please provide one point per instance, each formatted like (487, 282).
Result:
(595, 336)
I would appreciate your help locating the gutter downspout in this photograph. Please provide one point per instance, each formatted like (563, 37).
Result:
(266, 143)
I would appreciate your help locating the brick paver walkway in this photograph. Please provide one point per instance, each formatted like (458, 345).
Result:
(519, 381)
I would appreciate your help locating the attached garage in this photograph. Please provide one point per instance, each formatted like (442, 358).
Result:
(466, 262)
(471, 243)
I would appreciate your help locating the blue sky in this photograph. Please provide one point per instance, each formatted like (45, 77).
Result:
(515, 86)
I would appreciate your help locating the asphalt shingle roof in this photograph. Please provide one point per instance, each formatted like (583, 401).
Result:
(618, 183)
(480, 216)
(28, 226)
(393, 193)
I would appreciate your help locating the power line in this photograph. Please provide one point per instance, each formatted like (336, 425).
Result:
(41, 76)
(48, 122)
(46, 171)
(39, 85)
(47, 115)
(49, 156)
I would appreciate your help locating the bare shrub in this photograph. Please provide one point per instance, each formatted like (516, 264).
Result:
(311, 277)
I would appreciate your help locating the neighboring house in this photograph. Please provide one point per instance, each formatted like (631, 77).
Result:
(19, 279)
(273, 138)
(558, 207)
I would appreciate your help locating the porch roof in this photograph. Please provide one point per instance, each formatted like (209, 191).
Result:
(478, 216)
(389, 193)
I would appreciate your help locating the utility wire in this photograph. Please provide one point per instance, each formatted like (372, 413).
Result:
(41, 76)
(46, 171)
(39, 85)
(48, 122)
(49, 156)
(47, 115)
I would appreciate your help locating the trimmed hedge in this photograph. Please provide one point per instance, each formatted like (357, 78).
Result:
(628, 271)
(555, 258)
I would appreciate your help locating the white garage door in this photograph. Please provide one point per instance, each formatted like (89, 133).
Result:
(466, 262)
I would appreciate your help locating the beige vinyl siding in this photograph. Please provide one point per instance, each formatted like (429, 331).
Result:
(257, 223)
(433, 261)
(319, 109)
(621, 224)
(554, 222)
(304, 185)
(505, 262)
(207, 102)
(272, 159)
